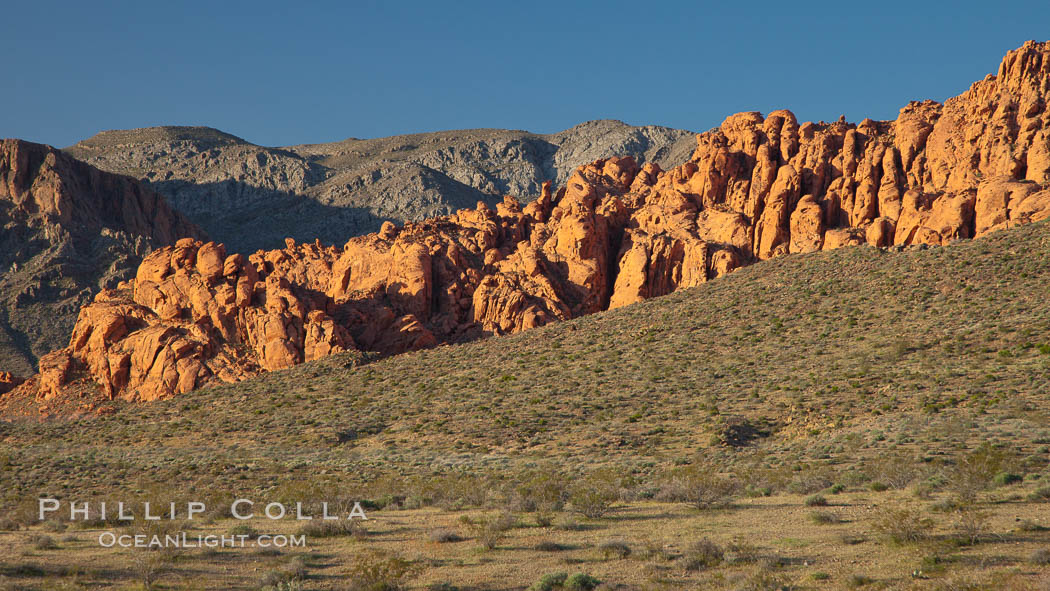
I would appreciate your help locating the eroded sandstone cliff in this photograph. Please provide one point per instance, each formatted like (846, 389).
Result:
(67, 230)
(755, 188)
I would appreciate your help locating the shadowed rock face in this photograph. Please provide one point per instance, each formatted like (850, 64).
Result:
(616, 233)
(251, 197)
(67, 230)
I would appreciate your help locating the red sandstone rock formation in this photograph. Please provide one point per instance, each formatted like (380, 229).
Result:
(755, 188)
(8, 382)
(44, 184)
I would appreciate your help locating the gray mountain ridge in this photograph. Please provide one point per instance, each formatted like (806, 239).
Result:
(252, 197)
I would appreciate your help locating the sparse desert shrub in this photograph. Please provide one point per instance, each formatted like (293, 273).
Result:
(614, 549)
(151, 567)
(1027, 525)
(544, 519)
(443, 536)
(562, 581)
(810, 481)
(594, 496)
(592, 503)
(549, 582)
(549, 546)
(581, 582)
(244, 529)
(42, 542)
(902, 526)
(294, 570)
(702, 554)
(764, 580)
(973, 472)
(970, 524)
(820, 576)
(855, 581)
(699, 486)
(655, 551)
(879, 486)
(1040, 557)
(567, 523)
(895, 470)
(852, 539)
(824, 518)
(740, 553)
(1040, 495)
(55, 527)
(1007, 478)
(816, 501)
(490, 532)
(837, 488)
(755, 492)
(379, 571)
(543, 490)
(328, 528)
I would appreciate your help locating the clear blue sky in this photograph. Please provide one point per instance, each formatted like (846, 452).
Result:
(280, 73)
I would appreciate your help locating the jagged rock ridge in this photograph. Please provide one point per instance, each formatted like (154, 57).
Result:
(756, 187)
(252, 197)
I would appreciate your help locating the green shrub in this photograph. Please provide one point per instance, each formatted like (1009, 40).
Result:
(816, 501)
(1007, 478)
(549, 582)
(581, 582)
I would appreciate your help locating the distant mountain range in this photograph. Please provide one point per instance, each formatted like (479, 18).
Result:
(252, 197)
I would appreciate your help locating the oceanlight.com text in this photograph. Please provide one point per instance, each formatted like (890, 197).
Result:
(111, 539)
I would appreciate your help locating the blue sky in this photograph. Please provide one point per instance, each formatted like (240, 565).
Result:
(280, 73)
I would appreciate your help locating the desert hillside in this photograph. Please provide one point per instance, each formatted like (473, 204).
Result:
(882, 424)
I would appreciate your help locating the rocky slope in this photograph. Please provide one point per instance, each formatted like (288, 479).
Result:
(252, 197)
(755, 188)
(67, 230)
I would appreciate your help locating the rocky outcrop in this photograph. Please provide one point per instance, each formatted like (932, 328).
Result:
(8, 382)
(67, 230)
(342, 189)
(757, 187)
